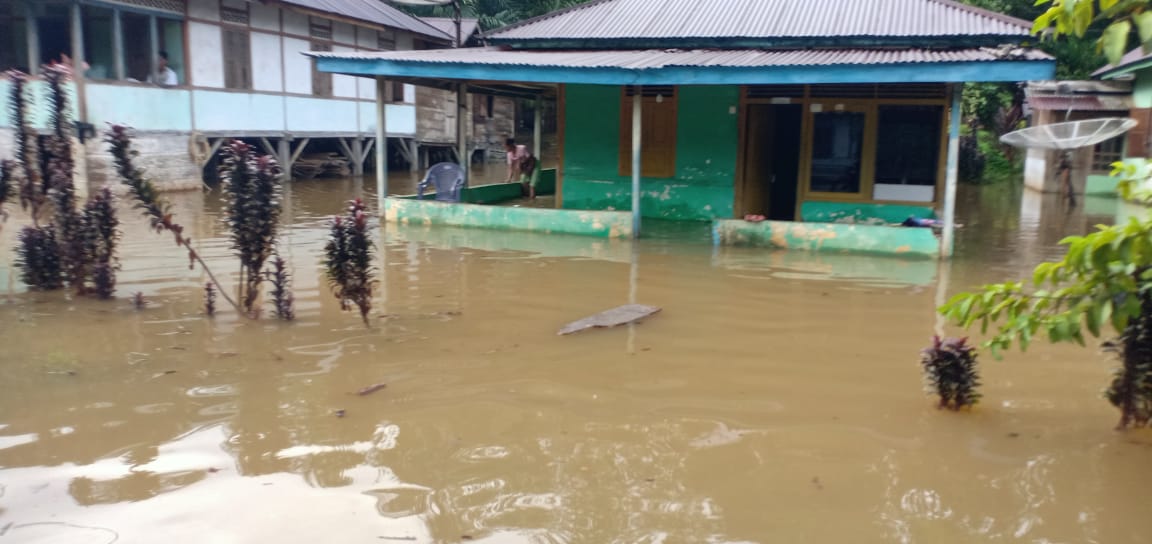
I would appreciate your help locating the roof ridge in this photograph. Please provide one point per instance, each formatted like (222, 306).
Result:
(549, 15)
(985, 12)
(414, 18)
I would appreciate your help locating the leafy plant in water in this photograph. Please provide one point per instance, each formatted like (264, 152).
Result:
(252, 196)
(281, 281)
(98, 239)
(60, 166)
(7, 178)
(1104, 280)
(209, 300)
(950, 372)
(148, 200)
(27, 147)
(38, 258)
(138, 301)
(348, 260)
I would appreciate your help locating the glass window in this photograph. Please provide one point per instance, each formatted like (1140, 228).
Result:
(237, 59)
(137, 46)
(908, 145)
(13, 38)
(1106, 153)
(172, 42)
(837, 149)
(98, 36)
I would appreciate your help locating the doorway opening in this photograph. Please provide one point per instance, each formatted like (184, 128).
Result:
(772, 161)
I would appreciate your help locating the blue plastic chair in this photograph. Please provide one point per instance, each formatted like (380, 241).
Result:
(447, 178)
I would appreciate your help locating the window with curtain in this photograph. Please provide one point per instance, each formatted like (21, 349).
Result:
(837, 151)
(657, 131)
(237, 58)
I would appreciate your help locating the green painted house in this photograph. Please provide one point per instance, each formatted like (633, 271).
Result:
(797, 110)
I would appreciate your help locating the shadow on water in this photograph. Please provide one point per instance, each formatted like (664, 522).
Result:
(775, 392)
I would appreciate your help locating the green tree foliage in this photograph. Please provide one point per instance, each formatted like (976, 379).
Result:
(1102, 286)
(494, 14)
(1123, 20)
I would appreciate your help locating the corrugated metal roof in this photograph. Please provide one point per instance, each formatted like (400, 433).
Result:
(372, 11)
(763, 19)
(468, 27)
(1131, 58)
(655, 59)
(1080, 103)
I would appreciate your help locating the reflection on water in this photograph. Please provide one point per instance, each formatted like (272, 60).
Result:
(775, 399)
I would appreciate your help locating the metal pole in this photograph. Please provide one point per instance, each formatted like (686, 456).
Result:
(462, 130)
(947, 243)
(381, 146)
(636, 128)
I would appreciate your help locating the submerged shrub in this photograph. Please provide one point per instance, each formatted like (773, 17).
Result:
(209, 300)
(348, 260)
(7, 179)
(98, 241)
(281, 281)
(148, 200)
(252, 198)
(950, 372)
(26, 147)
(38, 257)
(1131, 387)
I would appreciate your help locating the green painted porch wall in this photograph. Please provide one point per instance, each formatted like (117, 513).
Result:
(1142, 89)
(706, 143)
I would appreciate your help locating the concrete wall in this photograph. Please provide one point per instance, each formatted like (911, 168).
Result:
(604, 224)
(815, 211)
(706, 146)
(862, 239)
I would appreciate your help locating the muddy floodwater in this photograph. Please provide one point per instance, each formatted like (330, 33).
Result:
(777, 398)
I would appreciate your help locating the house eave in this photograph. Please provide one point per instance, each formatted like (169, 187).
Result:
(830, 42)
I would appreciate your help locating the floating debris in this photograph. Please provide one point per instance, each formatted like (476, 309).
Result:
(371, 389)
(622, 315)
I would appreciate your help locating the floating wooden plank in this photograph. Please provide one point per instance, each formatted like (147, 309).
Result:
(622, 315)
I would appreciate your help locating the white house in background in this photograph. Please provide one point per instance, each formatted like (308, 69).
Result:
(240, 72)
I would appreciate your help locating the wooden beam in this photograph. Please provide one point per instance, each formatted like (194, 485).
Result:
(637, 101)
(270, 150)
(33, 37)
(299, 150)
(381, 145)
(344, 146)
(947, 242)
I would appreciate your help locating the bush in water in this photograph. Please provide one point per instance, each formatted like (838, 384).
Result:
(209, 300)
(99, 237)
(38, 258)
(950, 372)
(252, 199)
(348, 260)
(148, 200)
(281, 281)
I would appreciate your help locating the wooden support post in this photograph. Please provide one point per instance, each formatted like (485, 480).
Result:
(414, 152)
(154, 46)
(117, 45)
(381, 146)
(283, 155)
(637, 101)
(951, 169)
(33, 36)
(462, 130)
(357, 156)
(81, 105)
(538, 130)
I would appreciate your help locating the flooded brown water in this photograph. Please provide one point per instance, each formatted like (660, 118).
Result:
(777, 398)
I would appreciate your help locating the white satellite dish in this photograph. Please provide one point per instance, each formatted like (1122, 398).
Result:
(1070, 134)
(1066, 137)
